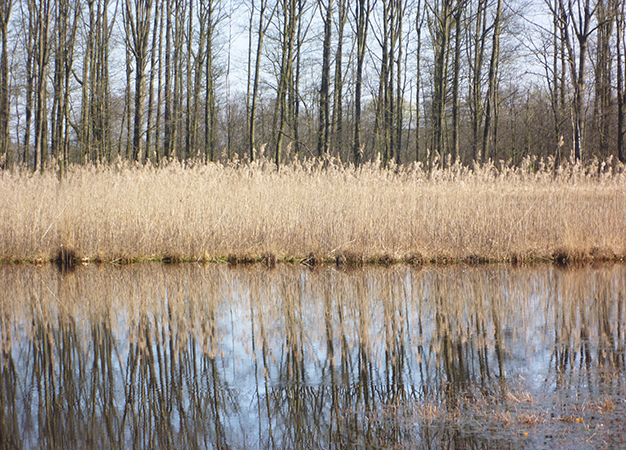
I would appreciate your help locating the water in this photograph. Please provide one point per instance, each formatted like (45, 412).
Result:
(153, 356)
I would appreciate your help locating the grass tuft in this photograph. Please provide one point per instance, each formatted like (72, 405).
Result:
(311, 260)
(269, 259)
(66, 258)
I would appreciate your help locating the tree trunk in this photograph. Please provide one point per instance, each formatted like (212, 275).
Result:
(323, 130)
(6, 152)
(262, 28)
(210, 108)
(440, 24)
(362, 22)
(491, 108)
(337, 120)
(152, 150)
(42, 58)
(476, 65)
(168, 138)
(605, 14)
(621, 95)
(582, 30)
(400, 86)
(137, 21)
(455, 83)
(419, 23)
(285, 84)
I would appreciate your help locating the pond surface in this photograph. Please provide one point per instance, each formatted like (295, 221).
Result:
(153, 356)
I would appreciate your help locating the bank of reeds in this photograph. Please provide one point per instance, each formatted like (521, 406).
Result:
(315, 211)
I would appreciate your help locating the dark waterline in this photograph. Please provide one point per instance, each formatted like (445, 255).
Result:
(154, 356)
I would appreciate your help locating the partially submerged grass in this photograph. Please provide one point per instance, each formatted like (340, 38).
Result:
(315, 212)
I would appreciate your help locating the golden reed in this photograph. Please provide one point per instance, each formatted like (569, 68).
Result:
(315, 211)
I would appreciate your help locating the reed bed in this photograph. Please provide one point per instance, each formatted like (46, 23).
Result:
(315, 211)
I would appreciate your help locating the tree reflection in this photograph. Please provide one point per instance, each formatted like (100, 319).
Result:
(589, 318)
(209, 357)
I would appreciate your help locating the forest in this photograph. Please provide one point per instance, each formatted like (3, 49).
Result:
(389, 80)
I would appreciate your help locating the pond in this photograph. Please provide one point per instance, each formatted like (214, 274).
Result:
(212, 356)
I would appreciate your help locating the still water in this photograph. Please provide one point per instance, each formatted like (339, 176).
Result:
(154, 356)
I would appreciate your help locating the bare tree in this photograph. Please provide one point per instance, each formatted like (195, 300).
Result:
(605, 13)
(577, 15)
(440, 23)
(476, 66)
(206, 23)
(95, 124)
(66, 26)
(492, 92)
(457, 15)
(261, 31)
(621, 95)
(290, 14)
(168, 138)
(361, 17)
(337, 121)
(323, 131)
(419, 24)
(388, 111)
(152, 152)
(210, 101)
(137, 23)
(6, 153)
(42, 11)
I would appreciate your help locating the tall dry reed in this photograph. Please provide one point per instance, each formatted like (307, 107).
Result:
(322, 208)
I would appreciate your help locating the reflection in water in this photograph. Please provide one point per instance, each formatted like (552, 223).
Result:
(153, 356)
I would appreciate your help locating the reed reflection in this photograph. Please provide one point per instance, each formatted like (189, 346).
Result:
(212, 357)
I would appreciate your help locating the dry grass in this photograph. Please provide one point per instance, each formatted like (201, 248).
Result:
(315, 212)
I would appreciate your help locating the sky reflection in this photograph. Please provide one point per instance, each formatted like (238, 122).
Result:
(155, 356)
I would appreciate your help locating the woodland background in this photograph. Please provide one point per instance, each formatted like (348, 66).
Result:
(399, 80)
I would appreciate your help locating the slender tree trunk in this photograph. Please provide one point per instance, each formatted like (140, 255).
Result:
(137, 18)
(294, 79)
(285, 85)
(210, 111)
(400, 86)
(323, 130)
(84, 131)
(262, 28)
(103, 88)
(491, 108)
(66, 26)
(249, 74)
(42, 59)
(621, 95)
(159, 139)
(60, 61)
(153, 149)
(582, 30)
(419, 23)
(187, 150)
(381, 127)
(127, 109)
(555, 84)
(168, 144)
(362, 22)
(199, 60)
(6, 152)
(605, 14)
(178, 78)
(476, 66)
(440, 30)
(455, 83)
(337, 121)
